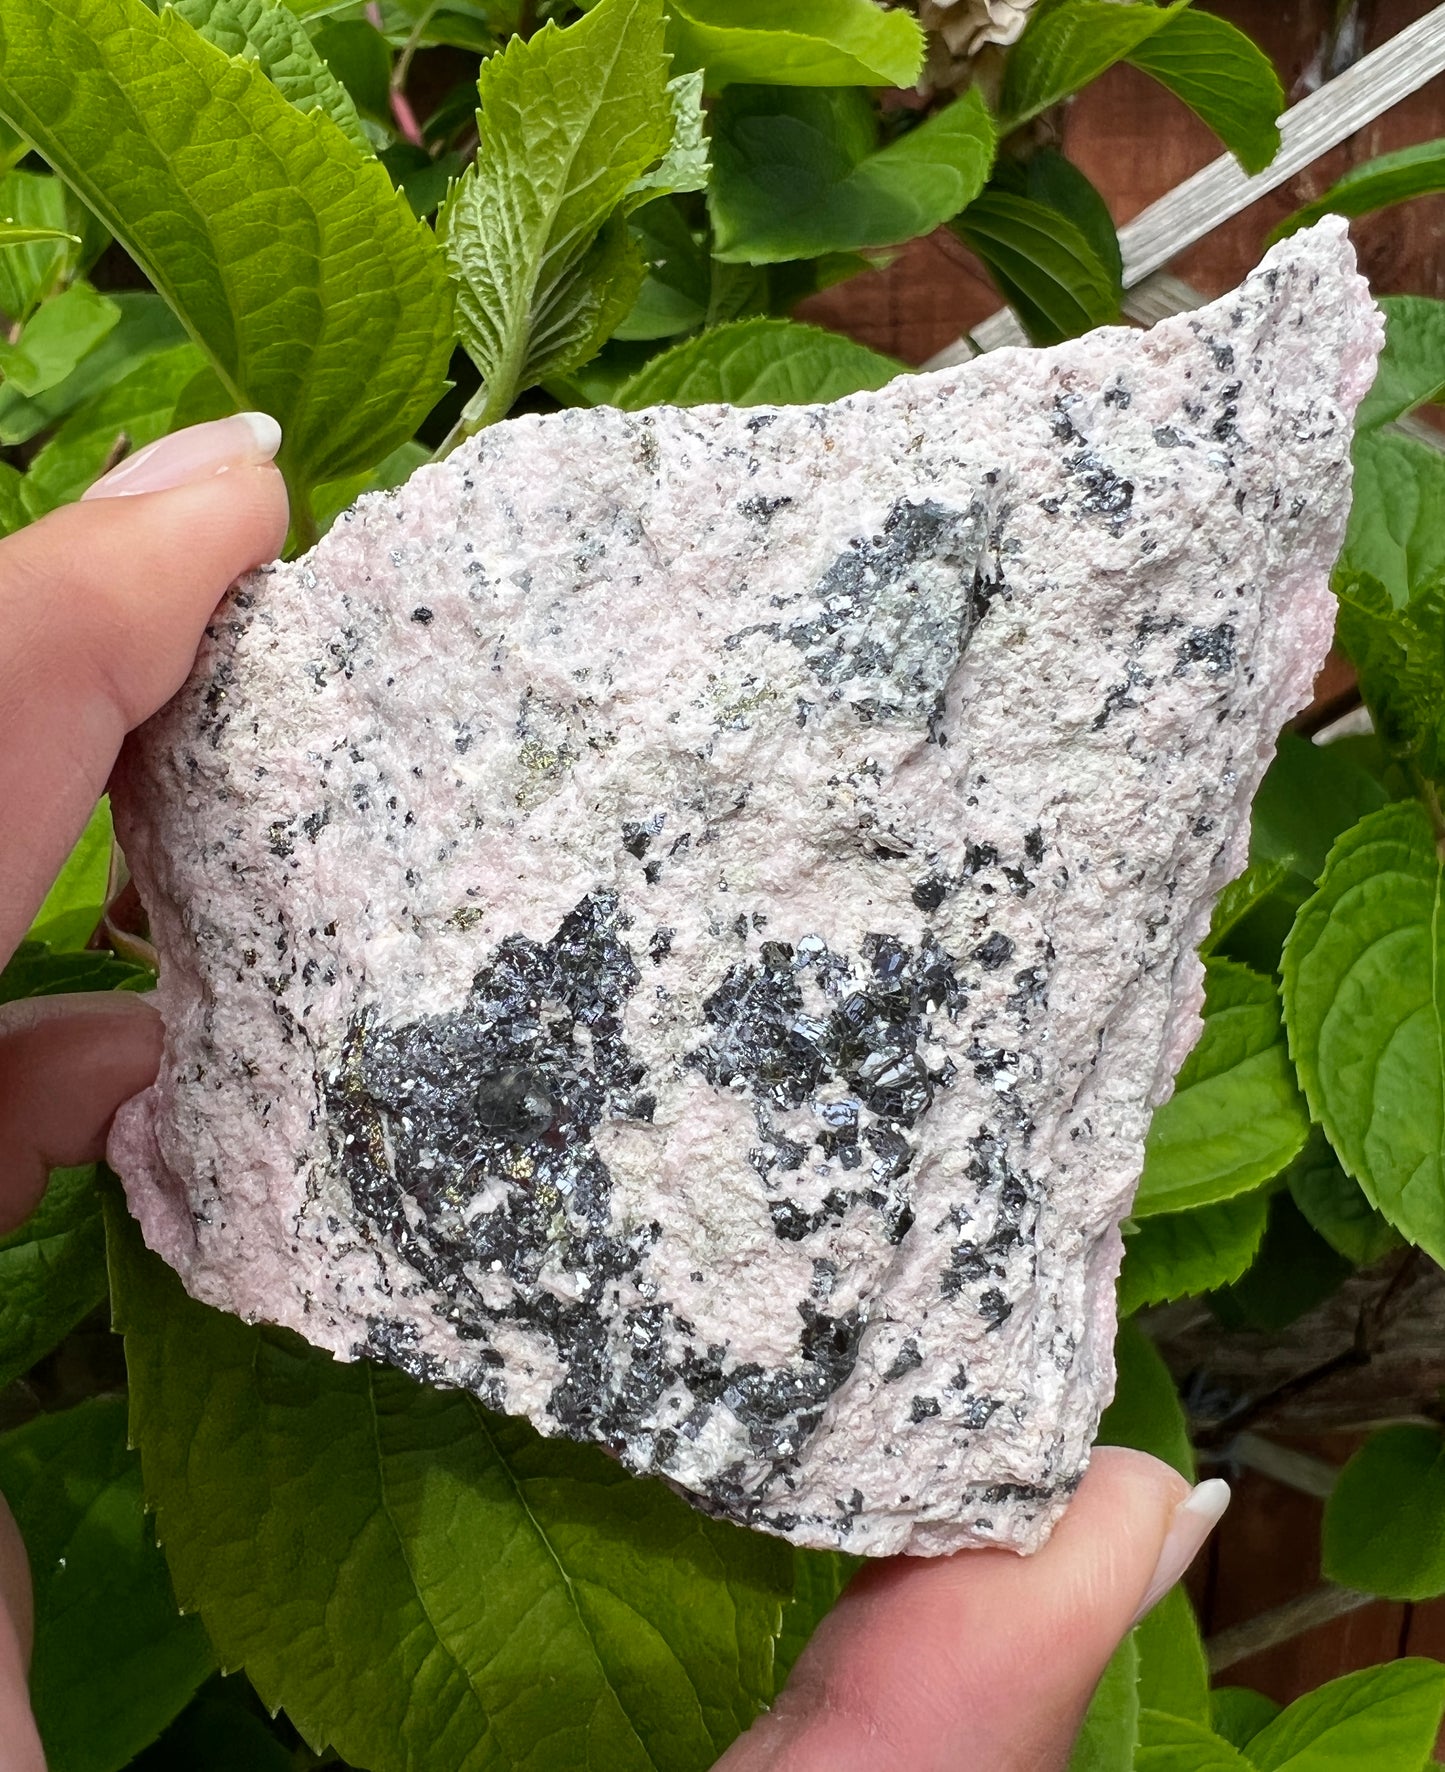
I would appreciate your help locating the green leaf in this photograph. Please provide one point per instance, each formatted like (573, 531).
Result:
(424, 1584)
(1364, 994)
(290, 258)
(1311, 794)
(1110, 1731)
(1066, 46)
(1240, 898)
(1383, 1718)
(142, 406)
(13, 514)
(677, 291)
(1173, 1672)
(1335, 1206)
(146, 325)
(36, 201)
(758, 363)
(1042, 262)
(1294, 1271)
(52, 1271)
(34, 971)
(269, 34)
(1236, 1117)
(1050, 178)
(818, 1579)
(359, 56)
(1396, 532)
(1183, 1254)
(1174, 1744)
(17, 234)
(1238, 1713)
(222, 1729)
(1400, 657)
(684, 167)
(799, 172)
(1224, 78)
(570, 121)
(1412, 365)
(1417, 171)
(55, 338)
(1145, 1412)
(114, 1661)
(76, 902)
(1384, 1529)
(812, 42)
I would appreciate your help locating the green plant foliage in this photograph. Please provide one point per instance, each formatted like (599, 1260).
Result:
(315, 293)
(1417, 171)
(1412, 365)
(1238, 1713)
(818, 1578)
(52, 1271)
(1110, 1733)
(114, 1662)
(808, 43)
(145, 325)
(75, 903)
(1224, 79)
(1215, 69)
(1175, 1744)
(1069, 44)
(1295, 1270)
(1364, 994)
(676, 293)
(798, 172)
(1048, 178)
(56, 337)
(14, 234)
(220, 1730)
(1241, 898)
(1236, 1117)
(1397, 521)
(36, 202)
(1173, 1671)
(170, 388)
(1310, 796)
(1145, 1412)
(270, 34)
(1183, 1254)
(34, 971)
(424, 1584)
(1385, 1518)
(1400, 657)
(1334, 1205)
(358, 55)
(1384, 1718)
(570, 124)
(1043, 263)
(758, 363)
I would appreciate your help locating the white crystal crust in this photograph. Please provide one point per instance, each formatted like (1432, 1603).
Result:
(677, 921)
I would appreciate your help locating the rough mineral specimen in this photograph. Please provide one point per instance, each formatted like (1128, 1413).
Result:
(676, 921)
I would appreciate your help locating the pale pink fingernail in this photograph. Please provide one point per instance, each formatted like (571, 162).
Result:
(1194, 1519)
(198, 453)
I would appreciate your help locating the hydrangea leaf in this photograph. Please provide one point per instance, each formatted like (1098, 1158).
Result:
(810, 43)
(421, 1583)
(1364, 994)
(76, 902)
(291, 260)
(52, 1271)
(1412, 364)
(758, 363)
(114, 1660)
(1185, 1254)
(1385, 1518)
(1236, 1117)
(1385, 1718)
(799, 172)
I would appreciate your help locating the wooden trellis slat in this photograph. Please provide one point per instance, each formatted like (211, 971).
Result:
(1222, 189)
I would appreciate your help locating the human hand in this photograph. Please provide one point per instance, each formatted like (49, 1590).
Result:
(981, 1662)
(102, 606)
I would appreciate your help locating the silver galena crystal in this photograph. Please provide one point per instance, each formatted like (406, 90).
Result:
(676, 921)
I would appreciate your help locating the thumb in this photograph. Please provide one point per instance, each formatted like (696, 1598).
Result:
(984, 1659)
(17, 1726)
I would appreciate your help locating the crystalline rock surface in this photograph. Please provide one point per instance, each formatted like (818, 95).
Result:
(676, 921)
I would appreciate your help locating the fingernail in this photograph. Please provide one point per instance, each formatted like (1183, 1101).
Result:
(1194, 1519)
(197, 453)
